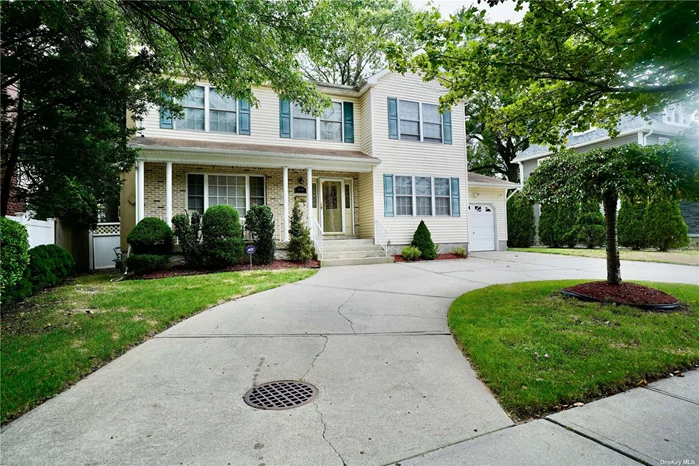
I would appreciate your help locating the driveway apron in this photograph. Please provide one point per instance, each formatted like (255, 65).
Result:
(373, 339)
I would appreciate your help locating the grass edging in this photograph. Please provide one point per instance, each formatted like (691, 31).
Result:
(539, 352)
(678, 256)
(55, 338)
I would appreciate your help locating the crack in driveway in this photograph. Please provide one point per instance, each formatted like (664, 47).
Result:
(325, 428)
(345, 317)
(325, 345)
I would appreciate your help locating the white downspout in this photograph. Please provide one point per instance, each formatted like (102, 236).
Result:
(645, 137)
(521, 181)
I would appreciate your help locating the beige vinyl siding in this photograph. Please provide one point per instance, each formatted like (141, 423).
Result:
(366, 206)
(365, 119)
(416, 158)
(264, 126)
(496, 198)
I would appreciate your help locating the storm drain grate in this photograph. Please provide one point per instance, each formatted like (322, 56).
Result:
(281, 394)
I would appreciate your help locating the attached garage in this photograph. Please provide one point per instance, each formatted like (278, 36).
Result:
(487, 213)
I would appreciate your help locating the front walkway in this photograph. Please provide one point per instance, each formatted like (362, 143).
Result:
(373, 339)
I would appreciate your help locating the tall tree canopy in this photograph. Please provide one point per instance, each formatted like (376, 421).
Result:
(631, 171)
(568, 64)
(72, 69)
(355, 34)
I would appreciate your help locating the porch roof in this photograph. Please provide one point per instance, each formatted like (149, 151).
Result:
(488, 181)
(251, 154)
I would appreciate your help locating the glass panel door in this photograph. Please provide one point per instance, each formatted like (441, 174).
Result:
(332, 206)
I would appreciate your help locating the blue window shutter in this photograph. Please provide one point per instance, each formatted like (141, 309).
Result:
(455, 198)
(348, 110)
(392, 118)
(284, 118)
(446, 124)
(388, 195)
(165, 119)
(243, 117)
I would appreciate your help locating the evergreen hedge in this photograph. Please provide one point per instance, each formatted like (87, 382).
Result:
(259, 221)
(631, 225)
(422, 239)
(300, 246)
(151, 236)
(144, 263)
(188, 234)
(521, 226)
(665, 227)
(14, 257)
(590, 227)
(222, 236)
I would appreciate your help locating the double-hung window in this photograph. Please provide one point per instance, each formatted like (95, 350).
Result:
(423, 195)
(193, 103)
(442, 196)
(431, 123)
(222, 113)
(409, 120)
(404, 195)
(304, 124)
(331, 123)
(239, 191)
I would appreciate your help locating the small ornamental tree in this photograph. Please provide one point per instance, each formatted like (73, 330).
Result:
(521, 227)
(635, 172)
(260, 222)
(632, 225)
(547, 221)
(665, 227)
(188, 233)
(300, 245)
(422, 239)
(589, 227)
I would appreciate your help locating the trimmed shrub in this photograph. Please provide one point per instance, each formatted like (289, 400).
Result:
(665, 227)
(144, 263)
(422, 239)
(564, 228)
(631, 225)
(188, 233)
(260, 222)
(300, 246)
(49, 265)
(222, 237)
(590, 226)
(410, 253)
(521, 226)
(461, 252)
(151, 236)
(547, 221)
(14, 257)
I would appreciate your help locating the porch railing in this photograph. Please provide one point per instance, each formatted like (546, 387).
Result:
(317, 235)
(381, 235)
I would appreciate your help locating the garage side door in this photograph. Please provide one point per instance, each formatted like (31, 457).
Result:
(481, 227)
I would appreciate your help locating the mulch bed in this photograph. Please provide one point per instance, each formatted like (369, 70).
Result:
(440, 257)
(627, 293)
(181, 272)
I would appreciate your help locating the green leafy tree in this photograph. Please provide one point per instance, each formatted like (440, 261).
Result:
(631, 171)
(632, 224)
(547, 221)
(355, 33)
(665, 227)
(521, 226)
(422, 239)
(300, 245)
(72, 70)
(589, 226)
(260, 222)
(568, 65)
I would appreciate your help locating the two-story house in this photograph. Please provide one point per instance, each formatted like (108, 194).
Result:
(366, 172)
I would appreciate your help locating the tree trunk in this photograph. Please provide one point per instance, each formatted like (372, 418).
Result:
(613, 265)
(11, 164)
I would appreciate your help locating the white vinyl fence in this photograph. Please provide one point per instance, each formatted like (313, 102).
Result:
(39, 231)
(103, 240)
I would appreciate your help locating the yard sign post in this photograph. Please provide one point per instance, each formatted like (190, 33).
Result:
(250, 250)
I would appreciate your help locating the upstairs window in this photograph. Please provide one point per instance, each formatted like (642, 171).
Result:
(193, 104)
(304, 124)
(331, 123)
(675, 115)
(222, 113)
(409, 120)
(431, 123)
(417, 121)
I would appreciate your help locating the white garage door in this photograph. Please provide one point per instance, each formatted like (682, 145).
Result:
(481, 220)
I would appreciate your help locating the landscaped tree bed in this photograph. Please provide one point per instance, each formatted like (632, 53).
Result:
(626, 293)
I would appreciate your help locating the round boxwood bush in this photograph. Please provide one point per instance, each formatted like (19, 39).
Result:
(49, 265)
(144, 263)
(14, 256)
(410, 253)
(422, 239)
(521, 226)
(665, 227)
(631, 225)
(151, 236)
(222, 236)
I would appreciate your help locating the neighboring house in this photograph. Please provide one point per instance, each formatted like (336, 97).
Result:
(375, 164)
(660, 130)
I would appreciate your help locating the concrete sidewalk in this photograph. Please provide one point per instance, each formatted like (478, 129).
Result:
(654, 425)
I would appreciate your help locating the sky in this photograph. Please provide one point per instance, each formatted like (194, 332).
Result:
(501, 12)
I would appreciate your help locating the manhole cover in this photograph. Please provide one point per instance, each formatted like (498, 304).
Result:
(281, 394)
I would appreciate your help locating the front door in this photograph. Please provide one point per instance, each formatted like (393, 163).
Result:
(331, 206)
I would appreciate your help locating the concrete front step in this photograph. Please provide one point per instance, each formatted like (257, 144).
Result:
(351, 247)
(353, 254)
(361, 261)
(347, 242)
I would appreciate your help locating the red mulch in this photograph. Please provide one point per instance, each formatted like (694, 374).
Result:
(181, 272)
(626, 293)
(440, 257)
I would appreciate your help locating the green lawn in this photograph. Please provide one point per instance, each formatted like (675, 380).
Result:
(55, 338)
(538, 351)
(676, 256)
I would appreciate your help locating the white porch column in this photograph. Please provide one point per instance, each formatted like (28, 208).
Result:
(285, 191)
(168, 193)
(140, 191)
(309, 197)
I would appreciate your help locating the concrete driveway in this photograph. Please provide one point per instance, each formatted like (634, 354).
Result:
(373, 339)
